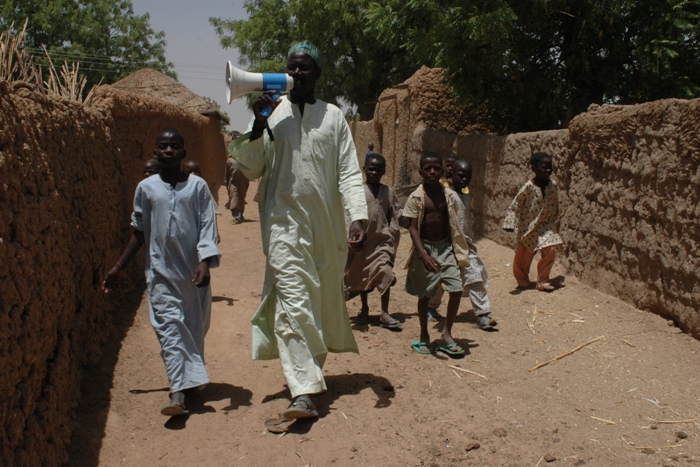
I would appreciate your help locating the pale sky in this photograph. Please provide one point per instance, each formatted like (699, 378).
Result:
(193, 46)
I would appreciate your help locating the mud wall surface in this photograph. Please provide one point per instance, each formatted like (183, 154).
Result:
(631, 227)
(402, 111)
(629, 177)
(67, 178)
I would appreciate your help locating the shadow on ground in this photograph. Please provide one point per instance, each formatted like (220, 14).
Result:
(91, 413)
(338, 386)
(196, 402)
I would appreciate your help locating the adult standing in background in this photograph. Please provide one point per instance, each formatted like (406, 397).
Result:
(236, 186)
(308, 162)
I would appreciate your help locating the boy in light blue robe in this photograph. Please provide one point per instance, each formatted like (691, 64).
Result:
(174, 217)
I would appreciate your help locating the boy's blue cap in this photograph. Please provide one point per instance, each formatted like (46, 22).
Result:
(307, 48)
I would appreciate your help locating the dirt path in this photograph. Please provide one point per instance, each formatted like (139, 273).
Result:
(608, 404)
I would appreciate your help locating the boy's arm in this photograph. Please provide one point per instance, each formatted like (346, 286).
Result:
(114, 275)
(428, 262)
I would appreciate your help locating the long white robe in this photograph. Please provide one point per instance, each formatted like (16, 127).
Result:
(179, 227)
(309, 174)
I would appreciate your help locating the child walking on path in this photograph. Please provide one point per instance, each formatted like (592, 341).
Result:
(174, 217)
(439, 250)
(373, 267)
(474, 277)
(533, 215)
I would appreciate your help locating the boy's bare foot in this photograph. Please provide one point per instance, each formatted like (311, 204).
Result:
(545, 287)
(176, 405)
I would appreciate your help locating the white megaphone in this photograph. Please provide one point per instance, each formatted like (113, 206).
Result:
(239, 82)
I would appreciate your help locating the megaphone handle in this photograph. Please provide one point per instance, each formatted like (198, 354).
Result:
(268, 110)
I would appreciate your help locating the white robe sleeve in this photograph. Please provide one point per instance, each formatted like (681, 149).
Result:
(349, 175)
(206, 246)
(250, 155)
(137, 215)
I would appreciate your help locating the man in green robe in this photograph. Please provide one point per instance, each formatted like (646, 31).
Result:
(306, 157)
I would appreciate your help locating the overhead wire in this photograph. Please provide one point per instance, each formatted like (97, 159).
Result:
(92, 60)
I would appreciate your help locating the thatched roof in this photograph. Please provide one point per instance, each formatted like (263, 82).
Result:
(152, 83)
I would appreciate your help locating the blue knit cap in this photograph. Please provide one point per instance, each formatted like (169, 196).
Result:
(307, 48)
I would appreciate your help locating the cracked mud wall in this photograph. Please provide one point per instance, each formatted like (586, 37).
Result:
(67, 178)
(632, 225)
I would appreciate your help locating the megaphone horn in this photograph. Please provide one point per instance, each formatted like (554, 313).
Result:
(239, 82)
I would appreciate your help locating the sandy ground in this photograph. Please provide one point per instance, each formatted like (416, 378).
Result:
(629, 399)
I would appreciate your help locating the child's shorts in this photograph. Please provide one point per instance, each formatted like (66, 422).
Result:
(422, 283)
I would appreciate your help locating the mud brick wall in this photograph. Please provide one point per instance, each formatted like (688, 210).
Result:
(67, 178)
(632, 226)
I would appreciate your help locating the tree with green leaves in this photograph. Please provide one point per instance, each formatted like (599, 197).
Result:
(108, 39)
(522, 66)
(356, 67)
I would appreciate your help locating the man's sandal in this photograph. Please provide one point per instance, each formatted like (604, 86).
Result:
(176, 406)
(302, 407)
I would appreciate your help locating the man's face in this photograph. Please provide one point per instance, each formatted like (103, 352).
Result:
(543, 169)
(461, 177)
(303, 69)
(169, 150)
(374, 170)
(431, 170)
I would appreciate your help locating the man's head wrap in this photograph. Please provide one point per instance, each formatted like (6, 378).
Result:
(307, 48)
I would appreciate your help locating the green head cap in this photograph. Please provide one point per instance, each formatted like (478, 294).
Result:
(307, 48)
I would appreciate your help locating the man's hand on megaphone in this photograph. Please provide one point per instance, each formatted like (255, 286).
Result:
(264, 101)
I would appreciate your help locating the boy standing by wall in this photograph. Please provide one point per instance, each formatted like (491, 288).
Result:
(474, 276)
(174, 216)
(533, 215)
(439, 250)
(373, 267)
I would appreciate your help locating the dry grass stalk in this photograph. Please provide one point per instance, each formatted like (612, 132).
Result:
(15, 63)
(69, 84)
(466, 371)
(566, 354)
(609, 422)
(670, 446)
(669, 422)
(530, 325)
